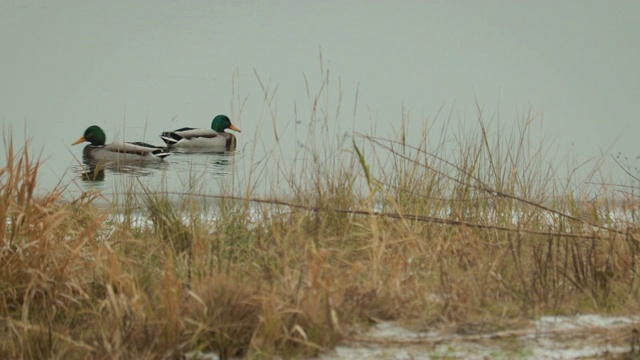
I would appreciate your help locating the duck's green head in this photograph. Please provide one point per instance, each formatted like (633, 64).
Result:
(222, 122)
(94, 135)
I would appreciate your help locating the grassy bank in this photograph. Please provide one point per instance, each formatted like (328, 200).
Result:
(478, 234)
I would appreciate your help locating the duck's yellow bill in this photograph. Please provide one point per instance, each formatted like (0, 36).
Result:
(81, 140)
(234, 128)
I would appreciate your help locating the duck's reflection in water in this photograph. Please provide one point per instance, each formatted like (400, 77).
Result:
(216, 163)
(92, 173)
(220, 163)
(93, 170)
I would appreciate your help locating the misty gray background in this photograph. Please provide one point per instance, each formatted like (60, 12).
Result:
(138, 68)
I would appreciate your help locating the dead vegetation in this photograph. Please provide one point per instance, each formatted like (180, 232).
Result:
(389, 231)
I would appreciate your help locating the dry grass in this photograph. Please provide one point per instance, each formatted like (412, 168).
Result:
(390, 231)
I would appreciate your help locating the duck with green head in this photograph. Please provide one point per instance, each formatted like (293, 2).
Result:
(118, 151)
(216, 137)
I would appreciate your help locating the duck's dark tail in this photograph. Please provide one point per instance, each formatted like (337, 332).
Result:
(158, 151)
(163, 154)
(170, 138)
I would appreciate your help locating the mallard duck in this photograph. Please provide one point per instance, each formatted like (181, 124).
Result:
(119, 151)
(216, 137)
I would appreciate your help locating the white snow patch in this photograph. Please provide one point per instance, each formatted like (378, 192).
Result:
(550, 337)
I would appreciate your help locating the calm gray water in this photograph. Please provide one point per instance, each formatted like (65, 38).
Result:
(139, 68)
